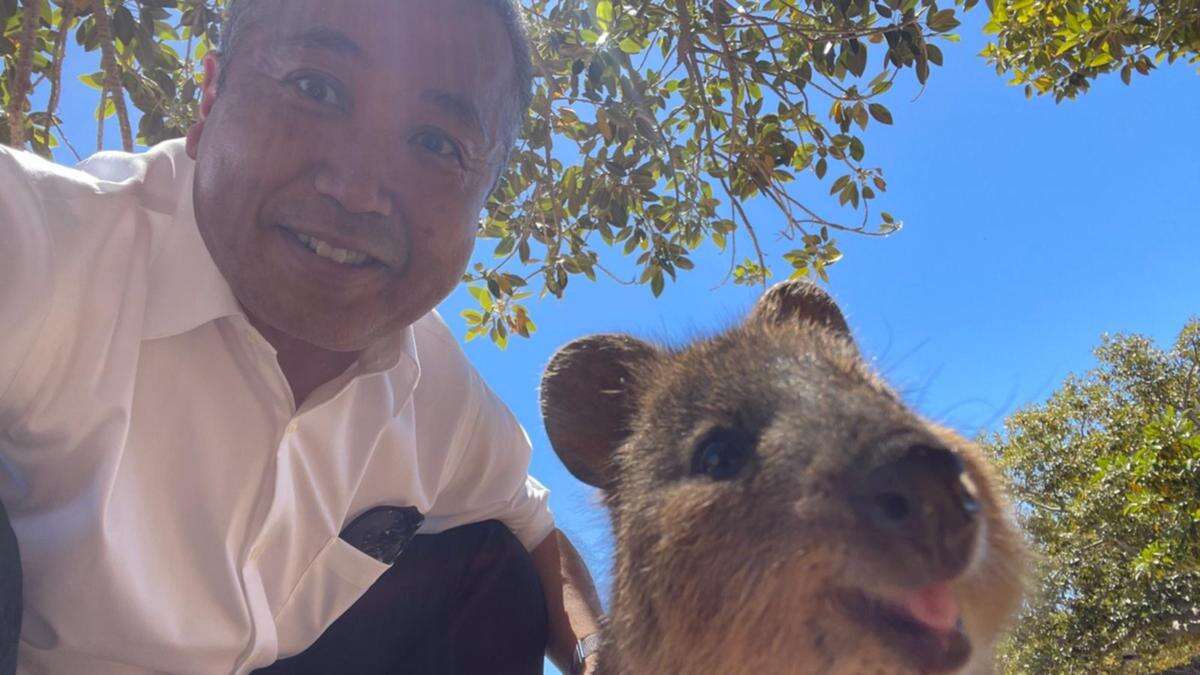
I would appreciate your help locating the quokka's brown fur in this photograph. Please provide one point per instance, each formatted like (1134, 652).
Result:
(744, 476)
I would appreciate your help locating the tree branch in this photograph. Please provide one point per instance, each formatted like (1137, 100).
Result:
(112, 73)
(20, 84)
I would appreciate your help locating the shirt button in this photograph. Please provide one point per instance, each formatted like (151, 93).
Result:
(292, 427)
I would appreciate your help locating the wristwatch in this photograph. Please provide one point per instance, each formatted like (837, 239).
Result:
(583, 649)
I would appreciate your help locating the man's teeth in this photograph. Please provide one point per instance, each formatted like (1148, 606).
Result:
(338, 255)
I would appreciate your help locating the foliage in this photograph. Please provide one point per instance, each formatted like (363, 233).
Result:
(149, 50)
(653, 123)
(1059, 46)
(652, 126)
(1107, 478)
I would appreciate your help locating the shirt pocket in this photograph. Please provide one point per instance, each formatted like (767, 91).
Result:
(337, 577)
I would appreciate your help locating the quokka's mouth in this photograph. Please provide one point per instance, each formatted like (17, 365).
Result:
(922, 627)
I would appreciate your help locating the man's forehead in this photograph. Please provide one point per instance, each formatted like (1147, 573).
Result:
(323, 37)
(384, 30)
(457, 51)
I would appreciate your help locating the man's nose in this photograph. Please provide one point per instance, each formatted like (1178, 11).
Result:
(922, 503)
(356, 180)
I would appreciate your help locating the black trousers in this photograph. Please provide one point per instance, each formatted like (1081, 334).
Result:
(10, 596)
(463, 602)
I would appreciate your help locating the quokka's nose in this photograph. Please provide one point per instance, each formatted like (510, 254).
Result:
(923, 502)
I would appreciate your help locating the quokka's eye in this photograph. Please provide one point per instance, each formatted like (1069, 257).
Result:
(722, 455)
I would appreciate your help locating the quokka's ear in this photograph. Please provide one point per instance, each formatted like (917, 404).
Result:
(588, 402)
(797, 301)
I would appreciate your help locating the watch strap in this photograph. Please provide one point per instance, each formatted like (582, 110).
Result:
(583, 649)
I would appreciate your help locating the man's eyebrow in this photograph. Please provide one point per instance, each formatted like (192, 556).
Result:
(456, 105)
(329, 39)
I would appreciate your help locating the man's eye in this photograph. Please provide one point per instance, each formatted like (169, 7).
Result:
(438, 144)
(318, 89)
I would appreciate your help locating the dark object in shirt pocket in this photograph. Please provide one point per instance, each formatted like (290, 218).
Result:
(384, 531)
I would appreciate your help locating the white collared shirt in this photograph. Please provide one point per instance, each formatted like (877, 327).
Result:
(175, 511)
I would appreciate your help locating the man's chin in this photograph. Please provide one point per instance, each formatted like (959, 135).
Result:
(327, 332)
(336, 342)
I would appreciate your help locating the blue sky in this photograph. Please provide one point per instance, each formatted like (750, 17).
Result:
(1031, 229)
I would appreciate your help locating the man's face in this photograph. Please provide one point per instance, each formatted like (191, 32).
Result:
(343, 165)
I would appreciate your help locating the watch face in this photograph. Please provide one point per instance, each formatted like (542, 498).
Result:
(384, 531)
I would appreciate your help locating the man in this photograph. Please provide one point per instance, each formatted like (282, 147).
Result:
(225, 400)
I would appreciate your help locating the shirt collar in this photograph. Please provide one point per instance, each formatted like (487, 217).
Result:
(393, 356)
(186, 288)
(388, 351)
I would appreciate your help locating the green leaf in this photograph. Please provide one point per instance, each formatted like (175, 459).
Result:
(630, 46)
(657, 283)
(880, 113)
(483, 296)
(110, 109)
(604, 14)
(94, 80)
(943, 20)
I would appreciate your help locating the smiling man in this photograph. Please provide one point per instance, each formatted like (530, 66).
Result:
(234, 435)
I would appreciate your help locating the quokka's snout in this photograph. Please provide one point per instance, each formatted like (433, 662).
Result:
(924, 507)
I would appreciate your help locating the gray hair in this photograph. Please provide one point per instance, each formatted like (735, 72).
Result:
(234, 22)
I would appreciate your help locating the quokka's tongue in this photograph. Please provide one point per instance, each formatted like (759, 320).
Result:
(933, 606)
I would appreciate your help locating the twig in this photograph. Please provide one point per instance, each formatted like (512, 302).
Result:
(62, 136)
(56, 67)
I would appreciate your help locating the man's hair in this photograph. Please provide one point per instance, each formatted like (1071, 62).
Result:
(237, 11)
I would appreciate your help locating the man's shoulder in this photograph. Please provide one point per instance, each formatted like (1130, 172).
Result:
(43, 177)
(151, 178)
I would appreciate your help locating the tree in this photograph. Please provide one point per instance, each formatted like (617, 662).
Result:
(1106, 475)
(1059, 46)
(653, 123)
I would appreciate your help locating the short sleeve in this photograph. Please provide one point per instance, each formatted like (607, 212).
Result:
(491, 478)
(26, 272)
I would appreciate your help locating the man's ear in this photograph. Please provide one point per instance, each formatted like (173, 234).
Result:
(208, 98)
(588, 402)
(797, 301)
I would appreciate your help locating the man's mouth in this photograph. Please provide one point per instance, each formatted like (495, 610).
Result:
(326, 250)
(923, 626)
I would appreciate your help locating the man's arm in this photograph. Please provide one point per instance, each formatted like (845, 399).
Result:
(571, 599)
(26, 272)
